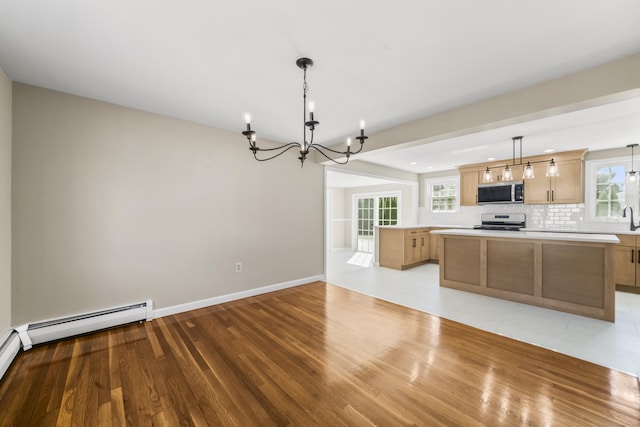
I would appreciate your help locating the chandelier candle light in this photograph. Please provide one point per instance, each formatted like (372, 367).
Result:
(308, 128)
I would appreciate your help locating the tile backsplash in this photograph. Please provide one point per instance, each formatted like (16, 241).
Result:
(569, 217)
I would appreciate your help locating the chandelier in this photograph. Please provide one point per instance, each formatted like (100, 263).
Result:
(309, 126)
(507, 173)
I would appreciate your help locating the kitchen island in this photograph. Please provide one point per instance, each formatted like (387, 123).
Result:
(571, 272)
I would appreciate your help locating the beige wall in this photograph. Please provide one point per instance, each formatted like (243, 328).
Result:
(113, 205)
(5, 202)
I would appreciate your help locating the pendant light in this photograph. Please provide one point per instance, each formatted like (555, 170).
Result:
(528, 172)
(487, 176)
(632, 175)
(507, 175)
(552, 169)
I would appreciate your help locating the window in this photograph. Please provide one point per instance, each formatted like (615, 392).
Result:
(609, 191)
(442, 195)
(606, 191)
(387, 211)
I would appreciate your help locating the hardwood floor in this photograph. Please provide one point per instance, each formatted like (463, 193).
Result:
(314, 355)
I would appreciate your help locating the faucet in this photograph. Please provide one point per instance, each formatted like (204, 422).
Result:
(632, 226)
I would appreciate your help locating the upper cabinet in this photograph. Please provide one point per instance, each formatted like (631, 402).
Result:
(469, 181)
(566, 188)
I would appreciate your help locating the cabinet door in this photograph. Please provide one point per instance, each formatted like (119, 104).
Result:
(567, 188)
(625, 265)
(411, 249)
(433, 245)
(411, 245)
(469, 188)
(537, 190)
(425, 247)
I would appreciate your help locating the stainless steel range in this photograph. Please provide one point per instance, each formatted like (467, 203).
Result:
(502, 221)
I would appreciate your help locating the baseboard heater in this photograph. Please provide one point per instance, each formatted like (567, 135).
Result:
(9, 348)
(37, 333)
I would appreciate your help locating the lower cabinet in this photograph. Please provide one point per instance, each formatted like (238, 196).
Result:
(434, 245)
(627, 263)
(402, 248)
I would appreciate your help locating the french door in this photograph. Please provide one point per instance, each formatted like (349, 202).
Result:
(373, 210)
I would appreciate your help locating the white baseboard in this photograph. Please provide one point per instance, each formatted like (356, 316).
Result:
(9, 348)
(194, 305)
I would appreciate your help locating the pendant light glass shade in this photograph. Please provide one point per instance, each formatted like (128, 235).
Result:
(528, 172)
(507, 175)
(552, 169)
(632, 175)
(487, 176)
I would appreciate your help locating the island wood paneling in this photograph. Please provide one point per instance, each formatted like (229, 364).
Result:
(510, 266)
(314, 355)
(561, 269)
(462, 260)
(574, 274)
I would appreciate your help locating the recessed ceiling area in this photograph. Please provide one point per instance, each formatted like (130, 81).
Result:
(608, 126)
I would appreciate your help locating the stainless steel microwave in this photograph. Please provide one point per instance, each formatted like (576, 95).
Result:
(501, 192)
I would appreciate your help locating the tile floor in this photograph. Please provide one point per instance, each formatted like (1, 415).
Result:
(614, 345)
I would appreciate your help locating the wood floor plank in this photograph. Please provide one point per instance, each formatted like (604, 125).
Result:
(313, 355)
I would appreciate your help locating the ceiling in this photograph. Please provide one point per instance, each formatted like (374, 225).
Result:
(386, 62)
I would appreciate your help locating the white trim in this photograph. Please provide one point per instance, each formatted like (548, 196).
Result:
(10, 347)
(194, 305)
(24, 337)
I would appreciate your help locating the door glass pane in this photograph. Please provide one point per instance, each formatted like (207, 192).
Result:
(365, 241)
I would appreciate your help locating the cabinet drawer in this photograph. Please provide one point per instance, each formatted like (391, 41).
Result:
(627, 240)
(412, 232)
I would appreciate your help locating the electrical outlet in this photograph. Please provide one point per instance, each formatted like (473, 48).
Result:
(238, 267)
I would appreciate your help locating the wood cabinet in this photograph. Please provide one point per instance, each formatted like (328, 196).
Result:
(576, 276)
(402, 248)
(434, 245)
(566, 188)
(627, 263)
(541, 190)
(469, 181)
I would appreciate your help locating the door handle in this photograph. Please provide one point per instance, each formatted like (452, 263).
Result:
(552, 195)
(414, 242)
(423, 241)
(547, 195)
(632, 252)
(638, 258)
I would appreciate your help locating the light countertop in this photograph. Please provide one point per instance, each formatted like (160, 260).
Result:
(537, 235)
(406, 227)
(583, 231)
